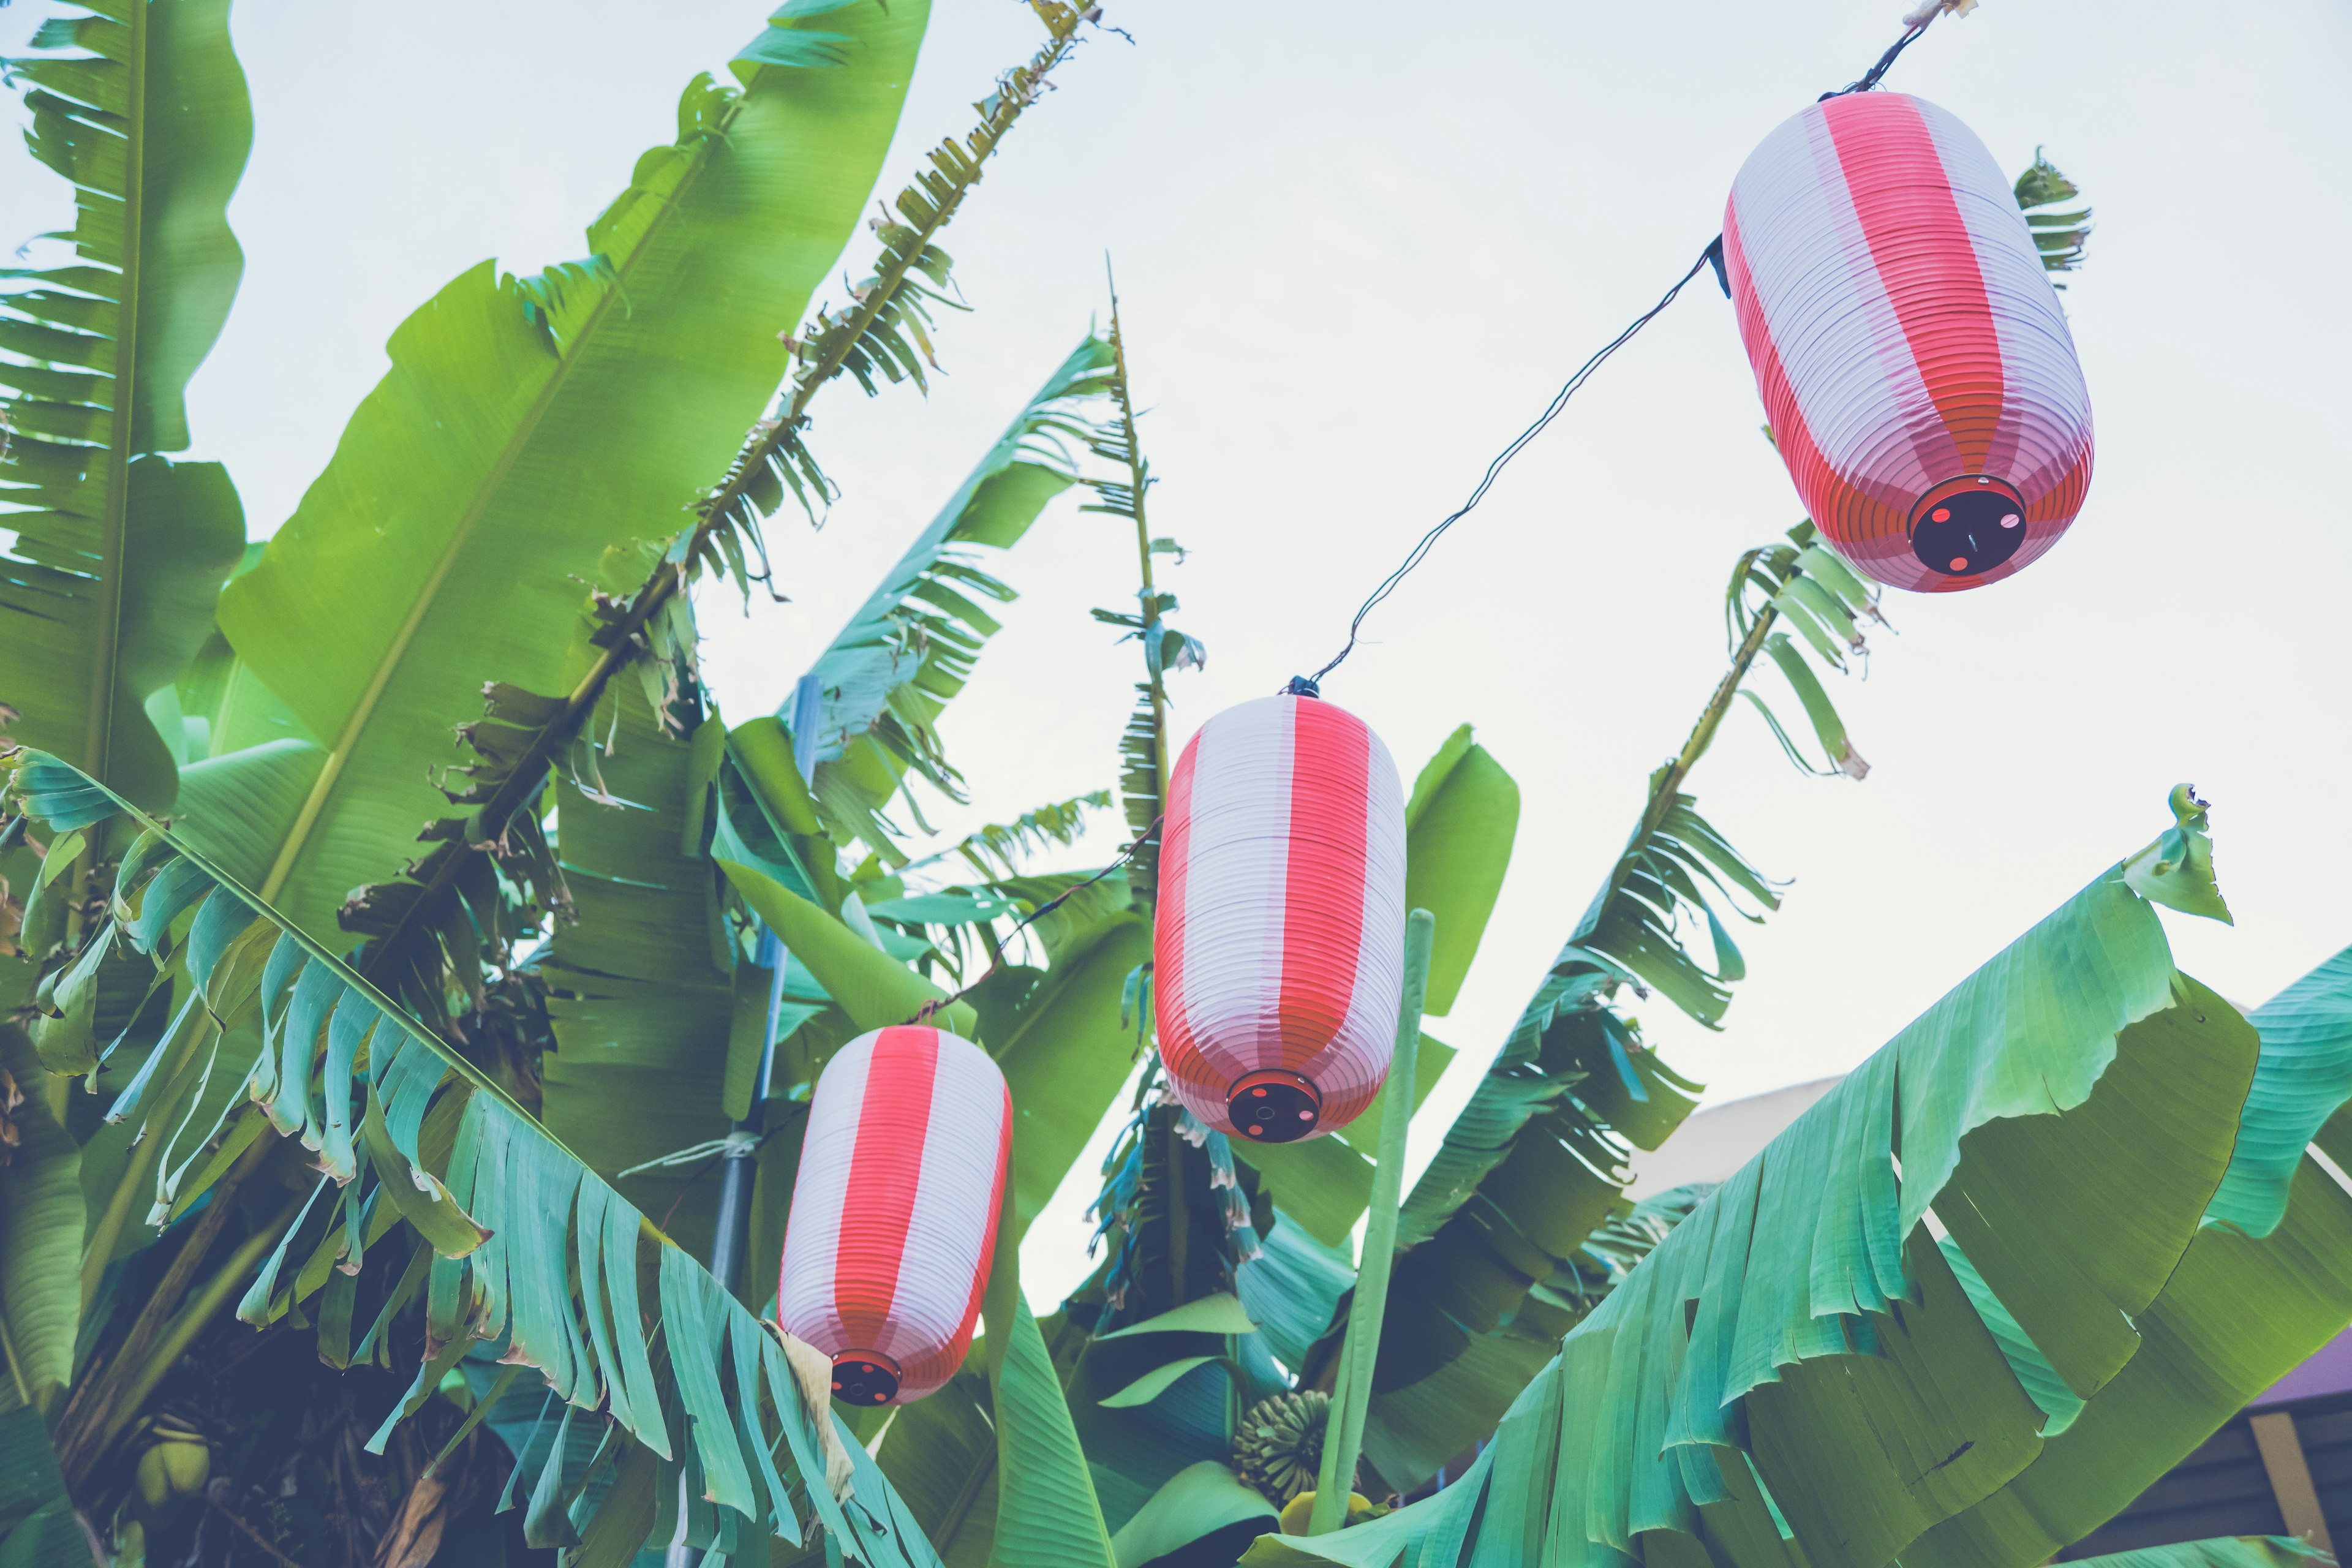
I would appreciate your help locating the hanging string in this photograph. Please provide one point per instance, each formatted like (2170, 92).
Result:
(1420, 551)
(1869, 79)
(923, 1014)
(1914, 24)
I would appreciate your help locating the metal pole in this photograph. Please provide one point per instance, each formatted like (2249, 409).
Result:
(740, 1172)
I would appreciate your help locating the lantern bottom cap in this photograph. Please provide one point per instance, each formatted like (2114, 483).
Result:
(1967, 526)
(1272, 1106)
(864, 1377)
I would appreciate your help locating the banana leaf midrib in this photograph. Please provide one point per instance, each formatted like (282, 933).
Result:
(493, 483)
(114, 529)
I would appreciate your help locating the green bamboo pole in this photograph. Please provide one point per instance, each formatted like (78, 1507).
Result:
(1343, 1438)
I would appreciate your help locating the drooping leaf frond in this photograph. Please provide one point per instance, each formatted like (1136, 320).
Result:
(532, 1251)
(910, 648)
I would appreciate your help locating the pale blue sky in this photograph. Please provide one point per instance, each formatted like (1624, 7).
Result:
(1359, 246)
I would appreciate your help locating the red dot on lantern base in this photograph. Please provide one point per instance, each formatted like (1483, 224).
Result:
(1271, 1106)
(1967, 526)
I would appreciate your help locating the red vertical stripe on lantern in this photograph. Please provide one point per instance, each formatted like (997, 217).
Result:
(1926, 261)
(1168, 957)
(1323, 906)
(882, 1177)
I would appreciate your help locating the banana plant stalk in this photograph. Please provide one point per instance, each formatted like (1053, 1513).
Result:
(1343, 1438)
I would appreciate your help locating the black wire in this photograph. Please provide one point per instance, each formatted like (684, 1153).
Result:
(1869, 79)
(1559, 400)
(1306, 685)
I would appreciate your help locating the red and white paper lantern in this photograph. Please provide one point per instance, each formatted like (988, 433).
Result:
(1914, 361)
(1280, 951)
(894, 1214)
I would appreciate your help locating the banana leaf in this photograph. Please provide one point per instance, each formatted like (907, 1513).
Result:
(536, 1255)
(107, 588)
(1459, 826)
(642, 997)
(911, 646)
(530, 423)
(38, 1528)
(2267, 1279)
(1796, 1375)
(1047, 1515)
(40, 1234)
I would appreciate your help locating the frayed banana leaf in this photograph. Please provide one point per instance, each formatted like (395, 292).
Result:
(2267, 1279)
(1796, 1375)
(530, 423)
(115, 554)
(912, 645)
(533, 1252)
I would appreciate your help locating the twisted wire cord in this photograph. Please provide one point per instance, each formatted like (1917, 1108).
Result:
(1915, 24)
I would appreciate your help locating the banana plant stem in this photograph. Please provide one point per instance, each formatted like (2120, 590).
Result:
(1711, 719)
(1343, 1435)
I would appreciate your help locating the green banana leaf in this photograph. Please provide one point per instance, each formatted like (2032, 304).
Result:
(1047, 1515)
(107, 589)
(911, 646)
(1199, 1499)
(536, 1255)
(642, 982)
(2305, 1078)
(40, 1238)
(1459, 825)
(1795, 1375)
(38, 1525)
(876, 990)
(2267, 1279)
(529, 423)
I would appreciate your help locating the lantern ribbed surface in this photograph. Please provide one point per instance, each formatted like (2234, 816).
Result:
(1916, 366)
(894, 1213)
(1279, 948)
